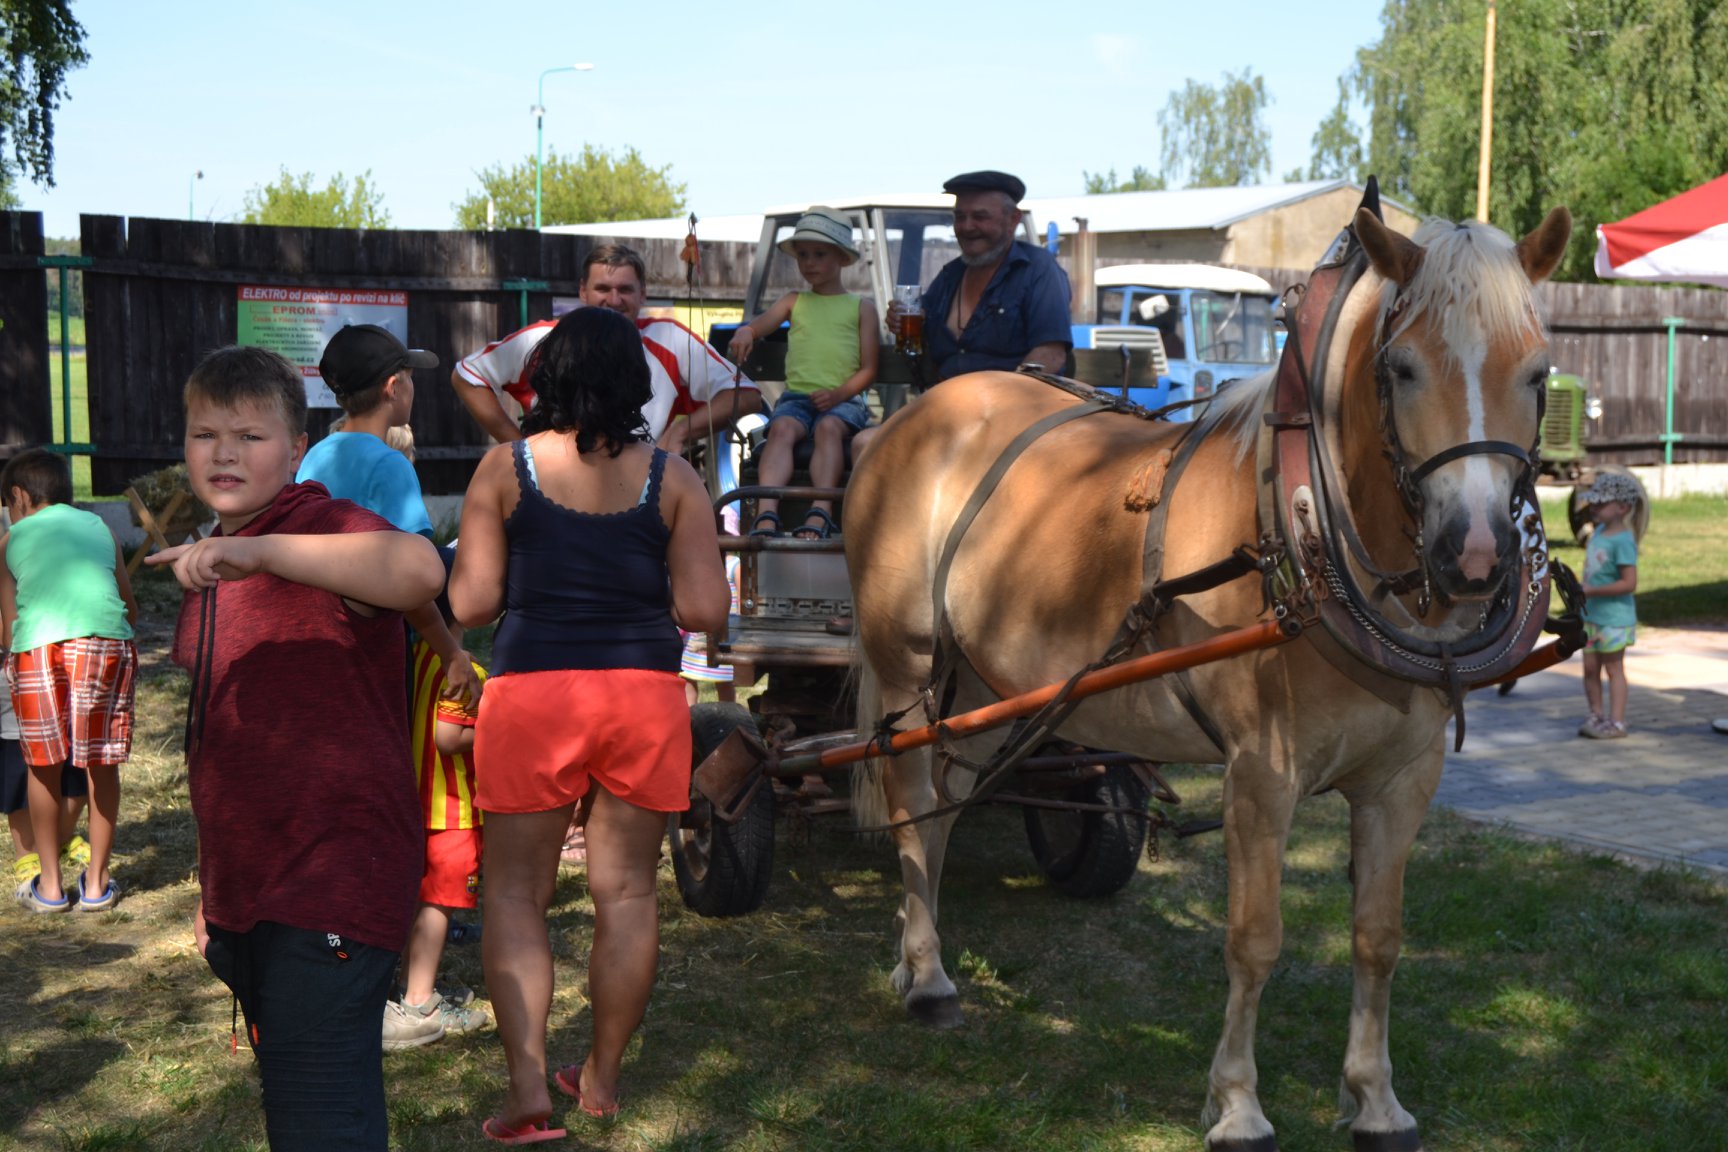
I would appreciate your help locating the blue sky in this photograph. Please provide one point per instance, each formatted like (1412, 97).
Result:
(751, 105)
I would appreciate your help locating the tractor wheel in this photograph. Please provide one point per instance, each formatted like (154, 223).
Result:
(723, 869)
(1091, 853)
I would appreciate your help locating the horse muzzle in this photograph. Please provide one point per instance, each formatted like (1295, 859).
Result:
(1470, 557)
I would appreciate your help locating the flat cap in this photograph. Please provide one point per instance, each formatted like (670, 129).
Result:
(988, 181)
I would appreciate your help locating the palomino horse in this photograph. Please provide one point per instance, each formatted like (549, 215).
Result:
(1423, 406)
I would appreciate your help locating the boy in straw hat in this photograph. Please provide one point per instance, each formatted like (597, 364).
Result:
(830, 361)
(1610, 619)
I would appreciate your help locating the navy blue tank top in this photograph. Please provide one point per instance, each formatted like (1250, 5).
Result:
(585, 589)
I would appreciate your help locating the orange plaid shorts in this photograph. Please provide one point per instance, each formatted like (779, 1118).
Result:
(74, 701)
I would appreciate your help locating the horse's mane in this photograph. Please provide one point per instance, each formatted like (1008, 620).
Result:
(1470, 277)
(1235, 407)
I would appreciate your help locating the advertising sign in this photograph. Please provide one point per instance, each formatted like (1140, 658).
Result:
(296, 323)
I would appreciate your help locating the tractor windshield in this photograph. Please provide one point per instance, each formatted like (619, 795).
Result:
(1233, 327)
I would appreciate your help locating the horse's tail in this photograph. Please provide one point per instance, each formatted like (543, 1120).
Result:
(869, 796)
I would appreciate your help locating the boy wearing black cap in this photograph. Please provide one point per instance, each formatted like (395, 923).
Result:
(372, 375)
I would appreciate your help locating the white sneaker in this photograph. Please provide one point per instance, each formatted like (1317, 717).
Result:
(406, 1028)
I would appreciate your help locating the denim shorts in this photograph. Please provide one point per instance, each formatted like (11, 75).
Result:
(798, 406)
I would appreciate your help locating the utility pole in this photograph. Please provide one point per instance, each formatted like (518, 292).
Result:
(1485, 161)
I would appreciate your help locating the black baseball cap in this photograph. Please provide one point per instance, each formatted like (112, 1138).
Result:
(362, 355)
(988, 181)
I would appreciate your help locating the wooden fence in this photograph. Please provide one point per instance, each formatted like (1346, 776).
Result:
(161, 293)
(1614, 337)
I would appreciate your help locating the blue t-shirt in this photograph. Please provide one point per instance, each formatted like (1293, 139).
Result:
(358, 466)
(1024, 305)
(1604, 556)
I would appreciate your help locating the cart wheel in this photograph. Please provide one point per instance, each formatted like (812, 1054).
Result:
(1091, 853)
(723, 869)
(1578, 514)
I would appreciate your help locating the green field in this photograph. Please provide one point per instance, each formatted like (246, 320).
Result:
(1682, 560)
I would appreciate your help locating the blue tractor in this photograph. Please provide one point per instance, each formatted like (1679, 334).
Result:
(1201, 324)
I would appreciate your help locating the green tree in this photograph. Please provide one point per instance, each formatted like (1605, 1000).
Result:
(291, 201)
(1140, 180)
(39, 43)
(1338, 153)
(1606, 106)
(1216, 137)
(591, 187)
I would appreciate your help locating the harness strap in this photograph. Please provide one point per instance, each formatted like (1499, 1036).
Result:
(941, 664)
(1473, 448)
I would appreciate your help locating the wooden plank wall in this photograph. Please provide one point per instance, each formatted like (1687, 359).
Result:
(162, 293)
(1612, 336)
(26, 417)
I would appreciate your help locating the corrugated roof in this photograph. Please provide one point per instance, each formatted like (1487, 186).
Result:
(1183, 210)
(743, 228)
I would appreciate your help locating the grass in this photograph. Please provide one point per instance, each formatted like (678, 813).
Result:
(1548, 1000)
(74, 325)
(1682, 560)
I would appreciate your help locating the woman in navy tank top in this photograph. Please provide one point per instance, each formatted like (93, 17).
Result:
(597, 548)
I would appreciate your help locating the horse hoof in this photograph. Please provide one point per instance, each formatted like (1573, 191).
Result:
(937, 1011)
(1404, 1140)
(1267, 1143)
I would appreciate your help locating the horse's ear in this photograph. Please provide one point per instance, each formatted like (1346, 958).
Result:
(1540, 251)
(1394, 255)
(1371, 198)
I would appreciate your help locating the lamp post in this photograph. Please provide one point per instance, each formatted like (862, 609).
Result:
(539, 111)
(191, 183)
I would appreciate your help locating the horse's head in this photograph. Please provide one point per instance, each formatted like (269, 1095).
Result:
(1461, 364)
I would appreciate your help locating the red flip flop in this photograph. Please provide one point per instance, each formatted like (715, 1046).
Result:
(569, 1081)
(496, 1130)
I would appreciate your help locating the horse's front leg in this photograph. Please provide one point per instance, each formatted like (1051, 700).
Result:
(1383, 825)
(1258, 802)
(930, 995)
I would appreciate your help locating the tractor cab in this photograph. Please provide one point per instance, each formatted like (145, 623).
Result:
(1206, 325)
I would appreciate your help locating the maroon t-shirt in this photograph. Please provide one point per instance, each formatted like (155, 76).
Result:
(297, 747)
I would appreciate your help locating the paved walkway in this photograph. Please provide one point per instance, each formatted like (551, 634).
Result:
(1661, 794)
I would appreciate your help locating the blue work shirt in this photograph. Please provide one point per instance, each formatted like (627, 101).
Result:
(1024, 305)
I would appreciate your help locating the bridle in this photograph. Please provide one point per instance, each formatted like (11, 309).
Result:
(1409, 480)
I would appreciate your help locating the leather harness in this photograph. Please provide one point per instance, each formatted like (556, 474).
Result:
(1309, 551)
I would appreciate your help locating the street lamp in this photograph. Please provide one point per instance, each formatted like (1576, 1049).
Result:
(191, 183)
(539, 111)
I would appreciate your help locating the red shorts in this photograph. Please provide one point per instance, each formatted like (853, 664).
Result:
(543, 735)
(74, 702)
(452, 876)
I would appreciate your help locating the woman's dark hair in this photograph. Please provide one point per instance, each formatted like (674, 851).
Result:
(591, 375)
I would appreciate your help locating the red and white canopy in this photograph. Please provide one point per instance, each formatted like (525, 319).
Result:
(1684, 239)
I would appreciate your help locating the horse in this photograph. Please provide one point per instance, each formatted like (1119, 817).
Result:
(996, 547)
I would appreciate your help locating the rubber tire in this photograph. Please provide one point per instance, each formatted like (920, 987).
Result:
(1089, 854)
(1578, 518)
(723, 871)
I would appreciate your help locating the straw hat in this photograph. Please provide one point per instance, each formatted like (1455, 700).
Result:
(825, 226)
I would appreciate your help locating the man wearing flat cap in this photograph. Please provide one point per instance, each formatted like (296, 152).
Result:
(1003, 302)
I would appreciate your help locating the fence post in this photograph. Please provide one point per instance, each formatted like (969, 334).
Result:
(68, 446)
(1669, 436)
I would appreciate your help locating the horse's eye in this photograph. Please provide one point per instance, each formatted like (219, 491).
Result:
(1538, 379)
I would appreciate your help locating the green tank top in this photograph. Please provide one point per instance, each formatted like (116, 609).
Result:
(62, 559)
(822, 349)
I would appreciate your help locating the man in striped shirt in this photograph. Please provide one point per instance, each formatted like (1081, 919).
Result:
(696, 391)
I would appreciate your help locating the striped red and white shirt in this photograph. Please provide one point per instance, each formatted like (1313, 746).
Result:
(684, 370)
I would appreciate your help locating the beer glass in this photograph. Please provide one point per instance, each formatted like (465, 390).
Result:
(909, 328)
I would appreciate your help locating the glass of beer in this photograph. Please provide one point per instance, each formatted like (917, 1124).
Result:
(909, 328)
